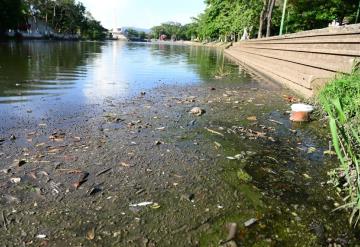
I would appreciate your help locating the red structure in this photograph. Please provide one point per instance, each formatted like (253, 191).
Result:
(163, 37)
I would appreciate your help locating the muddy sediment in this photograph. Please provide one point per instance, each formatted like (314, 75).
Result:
(147, 172)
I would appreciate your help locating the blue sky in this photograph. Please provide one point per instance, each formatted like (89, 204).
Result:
(142, 13)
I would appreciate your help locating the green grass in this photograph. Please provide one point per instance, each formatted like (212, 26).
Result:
(340, 100)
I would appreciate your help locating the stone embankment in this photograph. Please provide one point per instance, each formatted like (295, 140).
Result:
(302, 61)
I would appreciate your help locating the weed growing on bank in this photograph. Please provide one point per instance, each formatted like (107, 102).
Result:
(340, 100)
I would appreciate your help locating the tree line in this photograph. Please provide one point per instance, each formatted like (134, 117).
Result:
(63, 16)
(227, 19)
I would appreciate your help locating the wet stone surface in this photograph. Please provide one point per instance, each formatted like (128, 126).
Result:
(148, 172)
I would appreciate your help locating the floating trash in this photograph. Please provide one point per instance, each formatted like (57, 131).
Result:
(301, 112)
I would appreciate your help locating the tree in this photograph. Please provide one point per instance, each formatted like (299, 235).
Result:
(132, 34)
(174, 30)
(308, 14)
(142, 35)
(65, 16)
(11, 15)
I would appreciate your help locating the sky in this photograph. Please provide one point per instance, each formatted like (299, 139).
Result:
(142, 13)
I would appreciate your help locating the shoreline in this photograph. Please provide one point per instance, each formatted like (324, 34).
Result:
(85, 171)
(221, 45)
(194, 43)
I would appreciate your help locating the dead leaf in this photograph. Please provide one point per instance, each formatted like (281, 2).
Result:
(82, 179)
(290, 99)
(329, 152)
(252, 118)
(125, 164)
(70, 171)
(155, 206)
(311, 150)
(91, 234)
(77, 139)
(53, 150)
(58, 137)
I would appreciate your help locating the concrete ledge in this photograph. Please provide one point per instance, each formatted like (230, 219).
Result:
(302, 61)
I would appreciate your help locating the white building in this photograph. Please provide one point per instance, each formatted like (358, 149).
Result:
(118, 33)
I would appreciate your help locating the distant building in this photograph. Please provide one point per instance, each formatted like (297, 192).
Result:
(37, 29)
(118, 33)
(163, 37)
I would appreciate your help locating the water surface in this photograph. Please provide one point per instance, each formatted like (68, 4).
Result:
(83, 72)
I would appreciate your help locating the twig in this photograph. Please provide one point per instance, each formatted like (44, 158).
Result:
(4, 220)
(103, 171)
(274, 121)
(273, 159)
(214, 132)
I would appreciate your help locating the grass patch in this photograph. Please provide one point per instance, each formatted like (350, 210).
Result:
(340, 100)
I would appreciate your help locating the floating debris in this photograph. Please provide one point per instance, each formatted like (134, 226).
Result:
(274, 121)
(103, 172)
(141, 204)
(252, 118)
(311, 150)
(4, 219)
(217, 145)
(21, 163)
(197, 111)
(125, 164)
(301, 112)
(90, 235)
(329, 152)
(231, 158)
(155, 206)
(82, 179)
(214, 132)
(112, 118)
(58, 137)
(243, 176)
(15, 180)
(232, 227)
(250, 222)
(157, 143)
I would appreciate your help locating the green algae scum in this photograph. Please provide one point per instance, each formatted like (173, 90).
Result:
(106, 152)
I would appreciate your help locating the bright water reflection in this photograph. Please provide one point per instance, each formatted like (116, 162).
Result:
(84, 72)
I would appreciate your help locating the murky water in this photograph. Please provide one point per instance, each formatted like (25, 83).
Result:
(90, 93)
(82, 72)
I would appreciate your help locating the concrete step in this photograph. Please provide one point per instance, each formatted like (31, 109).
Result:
(300, 74)
(332, 63)
(317, 39)
(306, 60)
(267, 72)
(341, 49)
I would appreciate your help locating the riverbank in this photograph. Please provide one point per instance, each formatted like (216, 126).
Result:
(147, 172)
(303, 61)
(222, 45)
(340, 101)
